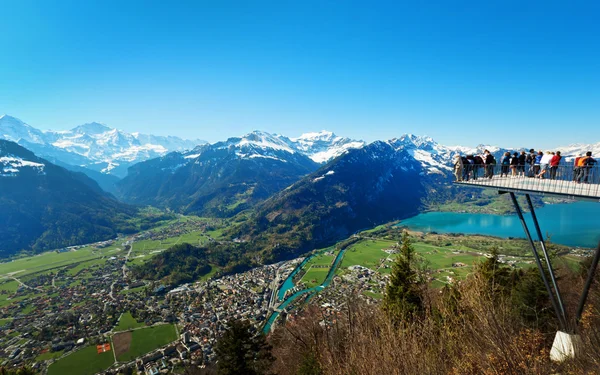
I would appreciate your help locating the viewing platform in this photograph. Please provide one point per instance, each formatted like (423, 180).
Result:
(568, 182)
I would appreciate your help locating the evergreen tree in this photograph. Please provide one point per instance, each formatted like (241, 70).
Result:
(498, 277)
(241, 351)
(403, 298)
(309, 365)
(531, 300)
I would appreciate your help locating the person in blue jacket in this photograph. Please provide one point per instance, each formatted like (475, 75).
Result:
(537, 164)
(505, 164)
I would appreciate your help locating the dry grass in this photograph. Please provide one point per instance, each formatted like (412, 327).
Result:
(467, 332)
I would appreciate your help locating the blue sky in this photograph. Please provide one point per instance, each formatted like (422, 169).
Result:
(503, 72)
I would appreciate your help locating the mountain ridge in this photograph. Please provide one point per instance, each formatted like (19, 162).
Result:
(94, 145)
(46, 207)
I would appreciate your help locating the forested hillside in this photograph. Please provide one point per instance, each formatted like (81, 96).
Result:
(47, 207)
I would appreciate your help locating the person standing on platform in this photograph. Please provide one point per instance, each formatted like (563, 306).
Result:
(588, 163)
(466, 168)
(490, 163)
(554, 163)
(537, 164)
(505, 164)
(545, 164)
(522, 161)
(458, 168)
(530, 162)
(514, 164)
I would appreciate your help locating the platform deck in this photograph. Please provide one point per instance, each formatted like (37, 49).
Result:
(537, 186)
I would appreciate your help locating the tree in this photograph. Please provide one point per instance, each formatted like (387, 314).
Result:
(403, 298)
(309, 365)
(241, 351)
(498, 278)
(531, 301)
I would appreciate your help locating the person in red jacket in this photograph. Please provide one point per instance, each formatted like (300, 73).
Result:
(554, 162)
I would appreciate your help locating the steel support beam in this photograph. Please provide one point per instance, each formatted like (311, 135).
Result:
(588, 284)
(538, 262)
(547, 258)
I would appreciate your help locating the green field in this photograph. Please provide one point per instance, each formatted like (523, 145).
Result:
(147, 339)
(50, 260)
(367, 253)
(439, 259)
(48, 355)
(314, 276)
(127, 322)
(9, 286)
(86, 361)
(317, 269)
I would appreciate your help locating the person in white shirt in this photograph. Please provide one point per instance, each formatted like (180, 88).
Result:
(545, 163)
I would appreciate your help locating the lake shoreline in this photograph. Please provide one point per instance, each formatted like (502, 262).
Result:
(561, 221)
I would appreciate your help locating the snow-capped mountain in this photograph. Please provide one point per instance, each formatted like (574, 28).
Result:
(13, 129)
(434, 157)
(323, 146)
(219, 179)
(572, 151)
(320, 147)
(93, 145)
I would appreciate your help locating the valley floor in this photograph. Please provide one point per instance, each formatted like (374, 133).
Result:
(58, 308)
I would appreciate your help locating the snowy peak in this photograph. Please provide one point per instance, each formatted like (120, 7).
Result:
(320, 147)
(93, 145)
(572, 151)
(13, 129)
(264, 140)
(324, 146)
(323, 136)
(91, 128)
(410, 141)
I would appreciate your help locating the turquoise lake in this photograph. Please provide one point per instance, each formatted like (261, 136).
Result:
(571, 224)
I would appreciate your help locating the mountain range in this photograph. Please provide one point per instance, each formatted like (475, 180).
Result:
(227, 177)
(297, 192)
(92, 146)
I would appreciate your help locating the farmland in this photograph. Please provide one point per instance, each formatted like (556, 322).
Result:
(52, 260)
(85, 361)
(130, 345)
(367, 253)
(127, 322)
(317, 269)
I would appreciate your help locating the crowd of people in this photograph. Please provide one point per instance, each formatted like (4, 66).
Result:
(535, 164)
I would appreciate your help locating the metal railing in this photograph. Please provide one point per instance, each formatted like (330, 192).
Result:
(566, 179)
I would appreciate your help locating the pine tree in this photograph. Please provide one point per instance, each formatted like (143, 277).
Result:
(498, 278)
(240, 351)
(403, 298)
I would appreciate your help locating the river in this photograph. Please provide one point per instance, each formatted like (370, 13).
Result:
(296, 295)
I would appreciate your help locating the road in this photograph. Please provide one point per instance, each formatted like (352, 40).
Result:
(125, 269)
(22, 283)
